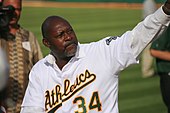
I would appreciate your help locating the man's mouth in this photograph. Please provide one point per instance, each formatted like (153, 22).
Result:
(70, 49)
(71, 43)
(71, 46)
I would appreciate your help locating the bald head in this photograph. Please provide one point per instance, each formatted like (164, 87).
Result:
(59, 37)
(50, 24)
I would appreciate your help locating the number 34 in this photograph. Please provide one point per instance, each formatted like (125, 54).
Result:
(94, 103)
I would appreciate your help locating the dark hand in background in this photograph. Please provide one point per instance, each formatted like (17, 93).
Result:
(166, 7)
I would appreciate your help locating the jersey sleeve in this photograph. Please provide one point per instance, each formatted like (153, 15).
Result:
(34, 93)
(125, 50)
(148, 30)
(117, 52)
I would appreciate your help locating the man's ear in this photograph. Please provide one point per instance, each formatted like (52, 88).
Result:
(46, 42)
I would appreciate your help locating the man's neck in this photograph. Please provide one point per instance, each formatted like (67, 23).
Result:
(13, 28)
(62, 62)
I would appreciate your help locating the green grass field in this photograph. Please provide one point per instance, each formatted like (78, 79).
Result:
(136, 94)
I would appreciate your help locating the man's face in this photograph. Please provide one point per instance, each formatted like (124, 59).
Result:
(62, 40)
(17, 5)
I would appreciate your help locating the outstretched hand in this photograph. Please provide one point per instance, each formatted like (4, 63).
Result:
(166, 7)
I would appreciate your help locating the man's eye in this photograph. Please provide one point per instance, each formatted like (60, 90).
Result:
(60, 35)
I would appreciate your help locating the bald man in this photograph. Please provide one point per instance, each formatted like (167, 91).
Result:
(23, 51)
(83, 78)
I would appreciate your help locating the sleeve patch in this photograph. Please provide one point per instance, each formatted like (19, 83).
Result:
(110, 39)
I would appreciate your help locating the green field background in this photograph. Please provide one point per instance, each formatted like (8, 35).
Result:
(136, 94)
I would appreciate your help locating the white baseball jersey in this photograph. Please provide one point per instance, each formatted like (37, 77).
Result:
(88, 83)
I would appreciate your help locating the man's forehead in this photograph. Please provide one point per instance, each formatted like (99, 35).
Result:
(59, 24)
(59, 28)
(13, 2)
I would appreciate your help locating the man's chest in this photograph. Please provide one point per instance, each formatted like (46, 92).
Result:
(77, 83)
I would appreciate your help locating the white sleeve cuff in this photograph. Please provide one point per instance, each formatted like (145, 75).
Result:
(162, 17)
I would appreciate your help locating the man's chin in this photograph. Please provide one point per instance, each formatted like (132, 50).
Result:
(71, 52)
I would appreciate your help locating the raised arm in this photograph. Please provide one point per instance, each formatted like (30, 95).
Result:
(149, 29)
(164, 55)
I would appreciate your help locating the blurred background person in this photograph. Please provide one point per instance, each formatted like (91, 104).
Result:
(149, 7)
(4, 75)
(22, 49)
(160, 49)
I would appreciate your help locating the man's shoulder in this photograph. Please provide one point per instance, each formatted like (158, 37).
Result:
(25, 31)
(27, 35)
(104, 41)
(44, 62)
(40, 63)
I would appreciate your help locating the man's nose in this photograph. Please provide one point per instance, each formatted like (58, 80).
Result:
(68, 36)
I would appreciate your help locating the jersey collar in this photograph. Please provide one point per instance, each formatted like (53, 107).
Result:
(80, 53)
